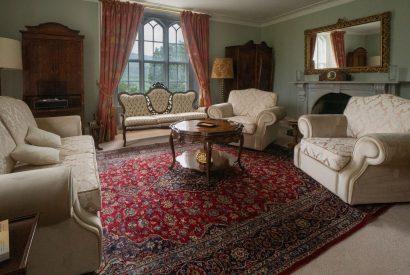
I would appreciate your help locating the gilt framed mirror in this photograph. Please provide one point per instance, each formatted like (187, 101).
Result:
(359, 45)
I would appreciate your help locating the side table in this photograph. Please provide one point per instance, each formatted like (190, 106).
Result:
(95, 132)
(293, 124)
(21, 231)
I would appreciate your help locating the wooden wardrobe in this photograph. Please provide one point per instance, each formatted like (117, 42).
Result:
(53, 78)
(252, 65)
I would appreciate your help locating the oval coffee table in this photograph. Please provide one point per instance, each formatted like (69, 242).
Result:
(219, 131)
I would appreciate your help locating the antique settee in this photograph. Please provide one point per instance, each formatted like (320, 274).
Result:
(157, 108)
(66, 195)
(362, 155)
(257, 110)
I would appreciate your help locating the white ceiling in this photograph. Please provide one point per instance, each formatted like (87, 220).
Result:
(250, 11)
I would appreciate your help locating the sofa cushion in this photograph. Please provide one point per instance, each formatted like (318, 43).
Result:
(35, 155)
(335, 153)
(77, 145)
(140, 120)
(39, 137)
(249, 125)
(250, 102)
(78, 153)
(183, 102)
(7, 145)
(17, 117)
(134, 105)
(193, 115)
(377, 114)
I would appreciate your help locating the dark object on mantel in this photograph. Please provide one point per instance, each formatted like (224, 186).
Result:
(334, 75)
(53, 78)
(252, 66)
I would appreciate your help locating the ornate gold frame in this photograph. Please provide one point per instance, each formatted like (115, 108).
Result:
(384, 18)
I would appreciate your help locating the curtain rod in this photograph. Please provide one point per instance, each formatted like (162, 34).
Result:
(156, 7)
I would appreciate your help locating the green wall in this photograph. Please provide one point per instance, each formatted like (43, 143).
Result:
(75, 14)
(286, 38)
(222, 35)
(84, 16)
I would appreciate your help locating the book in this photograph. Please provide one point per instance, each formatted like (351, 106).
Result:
(4, 241)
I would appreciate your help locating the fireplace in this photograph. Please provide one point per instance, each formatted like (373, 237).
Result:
(331, 103)
(331, 97)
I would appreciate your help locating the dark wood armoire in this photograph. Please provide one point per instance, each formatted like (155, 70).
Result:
(252, 65)
(53, 78)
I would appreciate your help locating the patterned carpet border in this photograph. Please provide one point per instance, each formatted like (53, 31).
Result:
(159, 221)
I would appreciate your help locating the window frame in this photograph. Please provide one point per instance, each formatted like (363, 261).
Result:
(166, 22)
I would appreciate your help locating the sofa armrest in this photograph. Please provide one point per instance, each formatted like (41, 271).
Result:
(64, 126)
(270, 116)
(323, 125)
(201, 109)
(47, 191)
(220, 110)
(379, 149)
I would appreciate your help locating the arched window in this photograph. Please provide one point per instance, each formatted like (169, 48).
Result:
(158, 55)
(178, 59)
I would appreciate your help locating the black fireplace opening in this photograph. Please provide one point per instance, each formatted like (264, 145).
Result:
(332, 103)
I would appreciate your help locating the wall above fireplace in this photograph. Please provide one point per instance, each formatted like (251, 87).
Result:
(309, 92)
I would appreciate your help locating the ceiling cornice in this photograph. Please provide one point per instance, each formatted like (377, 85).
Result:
(323, 5)
(305, 11)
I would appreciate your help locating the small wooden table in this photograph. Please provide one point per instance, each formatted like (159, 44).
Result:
(223, 132)
(21, 231)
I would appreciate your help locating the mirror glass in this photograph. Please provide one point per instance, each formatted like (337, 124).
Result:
(360, 45)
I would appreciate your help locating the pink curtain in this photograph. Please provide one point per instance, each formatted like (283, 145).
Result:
(312, 42)
(195, 28)
(120, 21)
(338, 45)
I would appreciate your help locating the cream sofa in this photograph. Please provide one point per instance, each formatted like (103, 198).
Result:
(157, 108)
(258, 112)
(363, 155)
(66, 195)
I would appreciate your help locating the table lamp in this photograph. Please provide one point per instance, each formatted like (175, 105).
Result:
(222, 68)
(10, 55)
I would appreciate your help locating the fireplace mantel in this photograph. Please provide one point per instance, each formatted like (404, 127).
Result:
(310, 91)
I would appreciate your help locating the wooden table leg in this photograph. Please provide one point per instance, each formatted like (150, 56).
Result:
(208, 146)
(240, 152)
(171, 143)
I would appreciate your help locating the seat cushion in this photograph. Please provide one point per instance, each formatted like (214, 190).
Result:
(77, 145)
(167, 118)
(193, 115)
(140, 120)
(78, 153)
(334, 153)
(249, 125)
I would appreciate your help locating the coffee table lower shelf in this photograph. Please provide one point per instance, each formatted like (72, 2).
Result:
(220, 160)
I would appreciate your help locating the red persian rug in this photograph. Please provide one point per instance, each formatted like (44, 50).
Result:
(270, 218)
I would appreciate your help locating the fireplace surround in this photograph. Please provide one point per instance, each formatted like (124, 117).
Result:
(309, 92)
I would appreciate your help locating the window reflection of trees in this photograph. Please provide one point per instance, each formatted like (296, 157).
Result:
(158, 55)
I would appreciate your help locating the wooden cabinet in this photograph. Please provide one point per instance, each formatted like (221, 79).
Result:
(53, 81)
(357, 58)
(253, 67)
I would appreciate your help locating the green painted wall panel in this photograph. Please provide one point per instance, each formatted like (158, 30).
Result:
(286, 38)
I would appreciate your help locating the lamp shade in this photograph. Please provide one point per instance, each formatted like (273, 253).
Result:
(222, 68)
(10, 54)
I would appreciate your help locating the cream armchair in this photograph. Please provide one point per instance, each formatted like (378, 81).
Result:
(363, 155)
(256, 110)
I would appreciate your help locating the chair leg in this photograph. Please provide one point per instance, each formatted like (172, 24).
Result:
(124, 131)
